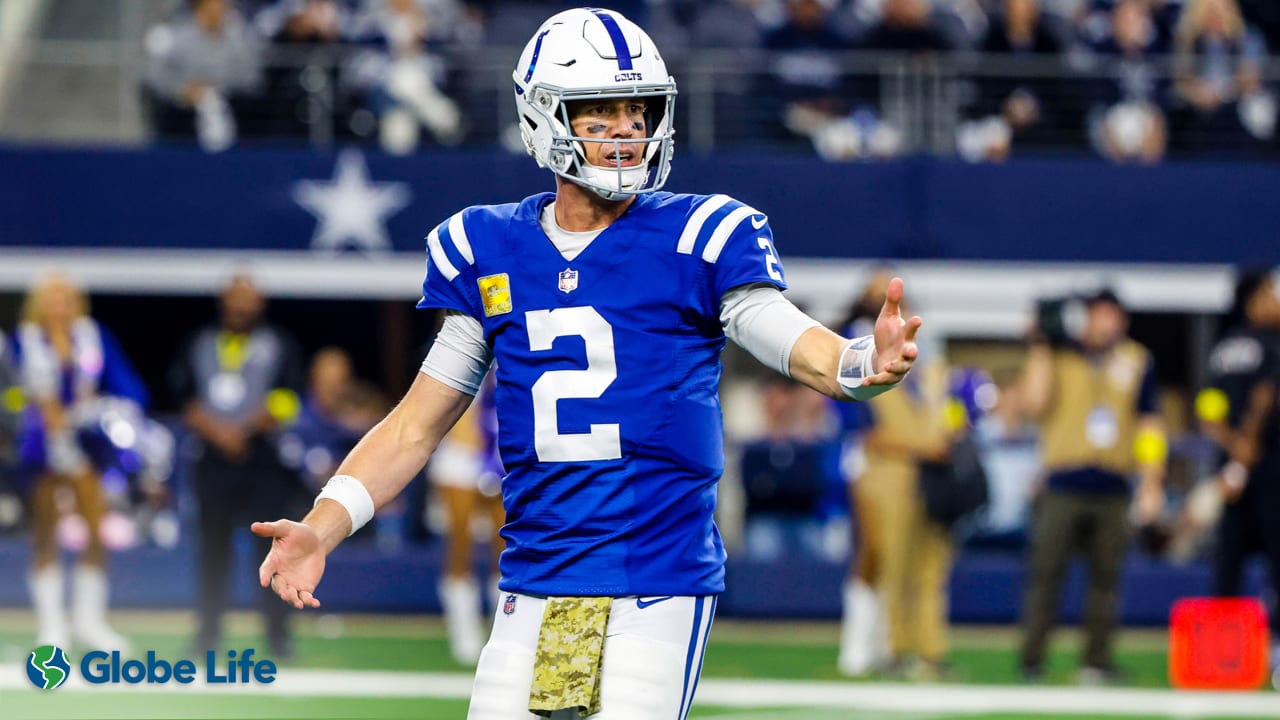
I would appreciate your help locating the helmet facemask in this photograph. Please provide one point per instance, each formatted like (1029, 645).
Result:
(567, 156)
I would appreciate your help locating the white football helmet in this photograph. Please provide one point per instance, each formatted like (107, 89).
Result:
(584, 54)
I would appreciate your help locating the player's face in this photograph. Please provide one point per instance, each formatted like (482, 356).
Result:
(617, 119)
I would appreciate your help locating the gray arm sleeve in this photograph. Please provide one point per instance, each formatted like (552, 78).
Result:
(459, 357)
(764, 323)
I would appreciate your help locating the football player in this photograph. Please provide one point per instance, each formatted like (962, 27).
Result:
(605, 306)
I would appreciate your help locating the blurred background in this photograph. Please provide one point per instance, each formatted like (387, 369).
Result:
(213, 212)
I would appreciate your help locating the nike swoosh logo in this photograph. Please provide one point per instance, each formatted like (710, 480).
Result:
(757, 225)
(642, 603)
(568, 64)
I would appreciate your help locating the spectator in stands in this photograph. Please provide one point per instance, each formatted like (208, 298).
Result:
(1096, 401)
(305, 22)
(201, 67)
(1219, 65)
(807, 90)
(302, 78)
(1016, 104)
(67, 362)
(732, 31)
(239, 381)
(405, 76)
(1127, 122)
(730, 24)
(906, 26)
(1238, 412)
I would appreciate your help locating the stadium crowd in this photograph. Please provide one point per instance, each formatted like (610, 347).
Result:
(1131, 80)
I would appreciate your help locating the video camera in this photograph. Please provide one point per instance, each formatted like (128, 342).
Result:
(1061, 320)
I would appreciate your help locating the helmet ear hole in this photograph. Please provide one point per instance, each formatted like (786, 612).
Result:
(561, 159)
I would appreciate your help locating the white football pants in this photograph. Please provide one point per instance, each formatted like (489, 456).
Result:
(652, 659)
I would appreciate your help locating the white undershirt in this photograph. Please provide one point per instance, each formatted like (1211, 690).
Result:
(757, 317)
(570, 244)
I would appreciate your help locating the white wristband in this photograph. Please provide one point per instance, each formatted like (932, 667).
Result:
(351, 494)
(857, 363)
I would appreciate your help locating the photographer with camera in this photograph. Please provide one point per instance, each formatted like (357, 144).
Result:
(1093, 392)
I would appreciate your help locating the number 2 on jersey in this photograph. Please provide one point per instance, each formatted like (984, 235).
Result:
(770, 258)
(604, 441)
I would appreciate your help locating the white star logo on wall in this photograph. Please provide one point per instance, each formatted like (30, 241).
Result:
(351, 211)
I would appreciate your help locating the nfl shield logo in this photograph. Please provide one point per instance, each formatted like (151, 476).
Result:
(509, 606)
(568, 280)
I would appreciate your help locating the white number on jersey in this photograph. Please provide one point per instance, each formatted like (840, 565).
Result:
(603, 442)
(770, 259)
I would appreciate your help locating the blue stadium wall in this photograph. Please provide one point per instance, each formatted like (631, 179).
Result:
(1034, 210)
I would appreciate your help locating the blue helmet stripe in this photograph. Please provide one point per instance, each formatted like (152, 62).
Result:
(537, 49)
(619, 41)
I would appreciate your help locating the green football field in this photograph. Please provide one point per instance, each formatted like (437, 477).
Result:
(399, 667)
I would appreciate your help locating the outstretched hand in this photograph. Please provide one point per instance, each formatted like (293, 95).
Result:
(895, 337)
(295, 564)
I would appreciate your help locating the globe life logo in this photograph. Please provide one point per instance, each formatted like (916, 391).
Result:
(48, 668)
(100, 668)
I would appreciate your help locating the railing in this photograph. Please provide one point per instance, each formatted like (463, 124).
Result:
(887, 104)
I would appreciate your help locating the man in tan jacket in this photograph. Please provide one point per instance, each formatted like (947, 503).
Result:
(1095, 399)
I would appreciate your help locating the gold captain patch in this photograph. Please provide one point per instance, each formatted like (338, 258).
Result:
(495, 294)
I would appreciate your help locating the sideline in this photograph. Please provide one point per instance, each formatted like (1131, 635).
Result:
(886, 697)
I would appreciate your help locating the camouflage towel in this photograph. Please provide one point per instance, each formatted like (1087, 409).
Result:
(566, 665)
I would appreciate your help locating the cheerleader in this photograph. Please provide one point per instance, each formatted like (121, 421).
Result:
(65, 362)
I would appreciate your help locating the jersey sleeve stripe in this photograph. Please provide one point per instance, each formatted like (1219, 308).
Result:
(438, 257)
(697, 220)
(458, 234)
(711, 252)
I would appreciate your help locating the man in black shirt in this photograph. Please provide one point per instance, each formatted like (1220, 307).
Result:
(239, 381)
(1238, 411)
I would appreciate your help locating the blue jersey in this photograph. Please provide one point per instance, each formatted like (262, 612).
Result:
(608, 369)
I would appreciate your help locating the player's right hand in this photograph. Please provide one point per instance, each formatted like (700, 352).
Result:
(295, 564)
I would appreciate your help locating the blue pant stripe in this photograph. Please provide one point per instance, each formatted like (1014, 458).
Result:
(711, 618)
(693, 648)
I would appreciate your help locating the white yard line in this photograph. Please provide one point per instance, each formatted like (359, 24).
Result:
(884, 697)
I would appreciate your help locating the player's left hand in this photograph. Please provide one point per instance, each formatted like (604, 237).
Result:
(295, 564)
(896, 349)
